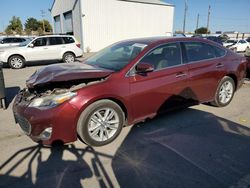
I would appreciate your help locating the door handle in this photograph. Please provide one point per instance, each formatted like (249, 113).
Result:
(63, 46)
(180, 74)
(219, 65)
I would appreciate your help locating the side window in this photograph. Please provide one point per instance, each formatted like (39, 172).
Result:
(219, 52)
(18, 40)
(164, 56)
(198, 51)
(7, 40)
(68, 40)
(242, 41)
(40, 42)
(55, 40)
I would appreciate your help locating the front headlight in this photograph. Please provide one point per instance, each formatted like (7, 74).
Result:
(52, 100)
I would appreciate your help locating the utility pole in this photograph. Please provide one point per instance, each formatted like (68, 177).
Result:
(197, 23)
(185, 15)
(43, 15)
(208, 18)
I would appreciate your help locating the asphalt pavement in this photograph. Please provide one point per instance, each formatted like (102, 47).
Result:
(201, 146)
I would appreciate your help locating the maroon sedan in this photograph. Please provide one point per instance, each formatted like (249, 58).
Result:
(123, 84)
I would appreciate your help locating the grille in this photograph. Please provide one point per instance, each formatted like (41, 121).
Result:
(24, 124)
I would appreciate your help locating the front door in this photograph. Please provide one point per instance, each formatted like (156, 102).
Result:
(152, 92)
(39, 51)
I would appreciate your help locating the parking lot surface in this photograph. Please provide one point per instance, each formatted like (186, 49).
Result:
(201, 146)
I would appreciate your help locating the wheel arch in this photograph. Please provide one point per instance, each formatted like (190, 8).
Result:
(234, 77)
(68, 51)
(113, 99)
(16, 55)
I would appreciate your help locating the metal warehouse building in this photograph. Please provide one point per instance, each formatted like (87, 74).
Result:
(98, 23)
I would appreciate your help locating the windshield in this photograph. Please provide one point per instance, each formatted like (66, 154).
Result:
(25, 42)
(117, 56)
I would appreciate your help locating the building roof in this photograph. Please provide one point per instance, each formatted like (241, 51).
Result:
(155, 2)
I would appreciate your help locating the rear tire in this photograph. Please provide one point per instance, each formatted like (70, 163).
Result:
(68, 57)
(224, 93)
(100, 123)
(16, 62)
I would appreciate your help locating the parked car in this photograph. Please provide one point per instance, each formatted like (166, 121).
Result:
(215, 39)
(240, 45)
(124, 84)
(44, 48)
(229, 42)
(11, 41)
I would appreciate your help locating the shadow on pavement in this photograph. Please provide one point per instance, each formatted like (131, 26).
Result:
(10, 93)
(55, 171)
(188, 148)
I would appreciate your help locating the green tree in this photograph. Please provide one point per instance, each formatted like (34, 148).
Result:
(28, 31)
(47, 26)
(31, 24)
(201, 30)
(8, 31)
(15, 25)
(40, 31)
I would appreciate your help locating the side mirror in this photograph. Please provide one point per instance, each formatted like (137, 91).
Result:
(31, 45)
(144, 68)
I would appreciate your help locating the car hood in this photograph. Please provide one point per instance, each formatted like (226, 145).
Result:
(66, 72)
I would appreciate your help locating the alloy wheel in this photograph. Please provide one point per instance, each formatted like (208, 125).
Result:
(69, 58)
(103, 124)
(226, 92)
(16, 63)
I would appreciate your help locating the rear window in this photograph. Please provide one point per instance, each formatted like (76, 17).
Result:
(55, 40)
(18, 40)
(7, 40)
(219, 52)
(198, 51)
(68, 40)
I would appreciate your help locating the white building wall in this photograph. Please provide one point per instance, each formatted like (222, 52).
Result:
(109, 21)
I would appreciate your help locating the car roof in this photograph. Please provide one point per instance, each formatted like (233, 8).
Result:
(54, 36)
(158, 40)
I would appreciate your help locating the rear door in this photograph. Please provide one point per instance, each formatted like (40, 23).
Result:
(206, 68)
(160, 89)
(55, 47)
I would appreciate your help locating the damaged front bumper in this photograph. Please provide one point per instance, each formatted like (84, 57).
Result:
(46, 125)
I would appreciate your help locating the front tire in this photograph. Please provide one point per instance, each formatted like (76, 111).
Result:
(100, 123)
(225, 92)
(16, 62)
(68, 57)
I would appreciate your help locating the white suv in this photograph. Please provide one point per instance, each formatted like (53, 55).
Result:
(240, 45)
(45, 48)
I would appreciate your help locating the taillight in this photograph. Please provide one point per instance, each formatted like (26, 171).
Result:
(78, 45)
